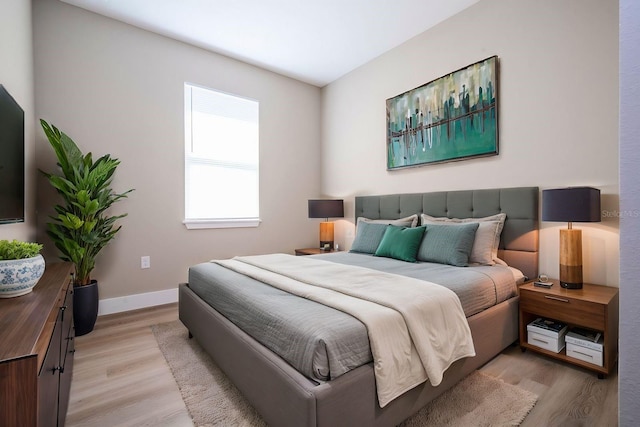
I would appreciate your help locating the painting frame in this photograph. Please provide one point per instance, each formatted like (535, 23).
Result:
(456, 113)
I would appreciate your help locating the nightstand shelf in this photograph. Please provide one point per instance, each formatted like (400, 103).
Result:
(593, 306)
(313, 251)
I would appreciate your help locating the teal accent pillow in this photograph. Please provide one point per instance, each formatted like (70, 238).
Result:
(368, 237)
(400, 243)
(448, 244)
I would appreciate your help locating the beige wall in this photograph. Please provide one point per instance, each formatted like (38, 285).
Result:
(16, 75)
(558, 117)
(118, 89)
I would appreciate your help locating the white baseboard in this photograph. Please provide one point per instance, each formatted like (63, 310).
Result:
(134, 302)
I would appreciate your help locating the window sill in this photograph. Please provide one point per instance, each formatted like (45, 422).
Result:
(197, 224)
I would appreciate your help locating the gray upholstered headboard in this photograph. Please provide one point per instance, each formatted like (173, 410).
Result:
(519, 241)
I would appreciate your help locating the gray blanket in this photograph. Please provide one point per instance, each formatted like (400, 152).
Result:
(478, 287)
(319, 341)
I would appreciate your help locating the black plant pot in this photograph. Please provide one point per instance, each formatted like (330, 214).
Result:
(85, 307)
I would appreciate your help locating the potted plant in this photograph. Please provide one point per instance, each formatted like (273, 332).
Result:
(82, 226)
(21, 266)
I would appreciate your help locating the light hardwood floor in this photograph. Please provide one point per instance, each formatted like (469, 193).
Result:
(120, 378)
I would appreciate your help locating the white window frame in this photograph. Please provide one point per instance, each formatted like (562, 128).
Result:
(189, 158)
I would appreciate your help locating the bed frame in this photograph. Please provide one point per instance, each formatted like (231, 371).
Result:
(284, 397)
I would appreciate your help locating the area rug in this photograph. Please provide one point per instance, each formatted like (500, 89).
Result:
(212, 400)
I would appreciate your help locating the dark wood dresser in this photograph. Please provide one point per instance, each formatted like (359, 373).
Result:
(36, 351)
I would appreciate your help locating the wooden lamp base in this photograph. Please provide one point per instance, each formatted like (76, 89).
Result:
(571, 258)
(326, 235)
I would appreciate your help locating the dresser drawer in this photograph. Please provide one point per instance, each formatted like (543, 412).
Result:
(48, 379)
(564, 308)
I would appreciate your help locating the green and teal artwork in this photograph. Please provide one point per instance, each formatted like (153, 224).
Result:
(454, 117)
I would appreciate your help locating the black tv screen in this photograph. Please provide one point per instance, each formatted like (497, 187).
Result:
(11, 159)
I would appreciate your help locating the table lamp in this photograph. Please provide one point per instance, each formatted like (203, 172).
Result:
(574, 204)
(326, 209)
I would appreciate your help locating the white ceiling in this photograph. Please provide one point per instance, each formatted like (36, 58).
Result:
(316, 42)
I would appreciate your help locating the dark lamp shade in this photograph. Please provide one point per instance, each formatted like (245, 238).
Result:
(573, 204)
(326, 208)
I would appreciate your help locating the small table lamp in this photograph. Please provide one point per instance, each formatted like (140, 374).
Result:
(574, 204)
(326, 209)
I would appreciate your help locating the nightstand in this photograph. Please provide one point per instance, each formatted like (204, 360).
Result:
(593, 306)
(313, 251)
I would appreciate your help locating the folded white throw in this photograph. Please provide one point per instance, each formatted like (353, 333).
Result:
(417, 329)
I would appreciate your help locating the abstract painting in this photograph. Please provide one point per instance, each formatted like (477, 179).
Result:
(454, 117)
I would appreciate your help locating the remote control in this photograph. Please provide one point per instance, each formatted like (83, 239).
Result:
(543, 284)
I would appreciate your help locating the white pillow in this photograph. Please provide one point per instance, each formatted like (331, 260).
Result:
(410, 221)
(487, 240)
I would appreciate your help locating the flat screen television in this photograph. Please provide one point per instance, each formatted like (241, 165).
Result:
(11, 159)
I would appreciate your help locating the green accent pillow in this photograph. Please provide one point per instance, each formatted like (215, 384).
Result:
(400, 243)
(448, 244)
(368, 237)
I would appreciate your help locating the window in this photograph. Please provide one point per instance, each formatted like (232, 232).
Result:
(221, 159)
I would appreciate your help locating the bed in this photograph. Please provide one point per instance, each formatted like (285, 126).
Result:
(284, 396)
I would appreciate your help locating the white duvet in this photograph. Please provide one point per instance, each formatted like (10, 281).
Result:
(416, 329)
